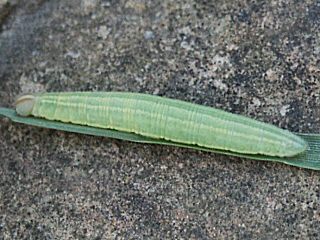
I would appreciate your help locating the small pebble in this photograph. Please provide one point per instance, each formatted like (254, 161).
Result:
(148, 35)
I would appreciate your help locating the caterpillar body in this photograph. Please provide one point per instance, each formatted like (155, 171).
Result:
(164, 118)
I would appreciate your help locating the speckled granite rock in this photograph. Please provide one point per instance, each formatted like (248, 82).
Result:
(257, 58)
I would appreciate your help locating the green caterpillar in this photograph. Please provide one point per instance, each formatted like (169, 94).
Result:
(164, 118)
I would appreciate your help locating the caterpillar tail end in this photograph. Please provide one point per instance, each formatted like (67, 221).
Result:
(25, 104)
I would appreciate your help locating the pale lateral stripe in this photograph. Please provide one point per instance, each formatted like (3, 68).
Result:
(271, 130)
(152, 116)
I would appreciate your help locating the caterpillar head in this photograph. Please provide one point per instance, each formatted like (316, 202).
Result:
(25, 104)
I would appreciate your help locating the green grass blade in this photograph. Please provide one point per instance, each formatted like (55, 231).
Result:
(309, 159)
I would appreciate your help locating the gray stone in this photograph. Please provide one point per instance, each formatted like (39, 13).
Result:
(256, 58)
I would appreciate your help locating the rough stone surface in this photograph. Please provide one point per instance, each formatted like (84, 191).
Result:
(257, 58)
